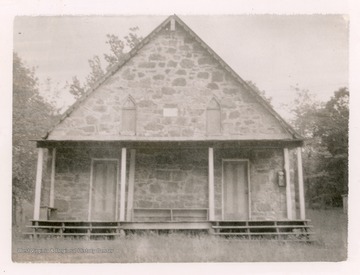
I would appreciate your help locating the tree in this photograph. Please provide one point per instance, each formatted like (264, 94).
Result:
(116, 49)
(119, 49)
(96, 71)
(306, 112)
(333, 123)
(75, 87)
(333, 129)
(325, 127)
(268, 99)
(32, 116)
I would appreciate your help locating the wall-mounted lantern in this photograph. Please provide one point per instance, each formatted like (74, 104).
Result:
(281, 178)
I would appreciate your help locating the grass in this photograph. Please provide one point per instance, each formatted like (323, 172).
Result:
(331, 245)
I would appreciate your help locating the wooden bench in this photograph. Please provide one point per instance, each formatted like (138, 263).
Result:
(170, 214)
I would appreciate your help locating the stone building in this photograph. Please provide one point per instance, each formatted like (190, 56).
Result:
(170, 138)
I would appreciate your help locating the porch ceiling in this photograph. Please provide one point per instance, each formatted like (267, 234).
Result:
(171, 144)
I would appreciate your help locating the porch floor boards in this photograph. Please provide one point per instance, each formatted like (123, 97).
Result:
(293, 230)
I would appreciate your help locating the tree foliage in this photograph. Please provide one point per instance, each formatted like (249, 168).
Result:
(325, 127)
(52, 93)
(333, 130)
(306, 112)
(119, 49)
(333, 124)
(262, 93)
(32, 116)
(96, 71)
(76, 88)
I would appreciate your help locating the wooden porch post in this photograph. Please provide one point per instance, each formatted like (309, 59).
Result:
(211, 185)
(301, 184)
(288, 184)
(38, 183)
(131, 185)
(122, 184)
(52, 180)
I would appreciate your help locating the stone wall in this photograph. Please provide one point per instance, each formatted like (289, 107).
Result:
(268, 199)
(172, 71)
(72, 184)
(171, 179)
(72, 180)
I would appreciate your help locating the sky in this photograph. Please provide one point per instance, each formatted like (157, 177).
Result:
(277, 52)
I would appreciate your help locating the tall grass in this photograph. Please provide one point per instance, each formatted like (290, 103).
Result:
(331, 245)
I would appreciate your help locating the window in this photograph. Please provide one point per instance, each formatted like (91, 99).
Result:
(213, 118)
(129, 117)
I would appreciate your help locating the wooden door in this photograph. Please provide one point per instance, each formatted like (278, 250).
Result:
(103, 191)
(236, 198)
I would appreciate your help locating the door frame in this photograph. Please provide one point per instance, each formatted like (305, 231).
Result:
(222, 184)
(117, 185)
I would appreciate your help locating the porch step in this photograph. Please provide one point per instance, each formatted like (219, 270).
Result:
(89, 229)
(62, 228)
(71, 227)
(260, 226)
(70, 234)
(299, 230)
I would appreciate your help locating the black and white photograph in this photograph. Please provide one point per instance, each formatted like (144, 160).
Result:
(180, 138)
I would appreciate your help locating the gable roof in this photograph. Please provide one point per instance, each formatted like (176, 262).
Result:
(222, 63)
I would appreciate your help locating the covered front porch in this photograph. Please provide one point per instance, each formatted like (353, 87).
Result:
(94, 189)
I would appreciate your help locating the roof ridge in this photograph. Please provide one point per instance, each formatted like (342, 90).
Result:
(146, 40)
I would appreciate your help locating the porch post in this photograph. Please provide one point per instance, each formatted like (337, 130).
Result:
(211, 185)
(130, 200)
(52, 180)
(122, 184)
(38, 183)
(288, 184)
(301, 184)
